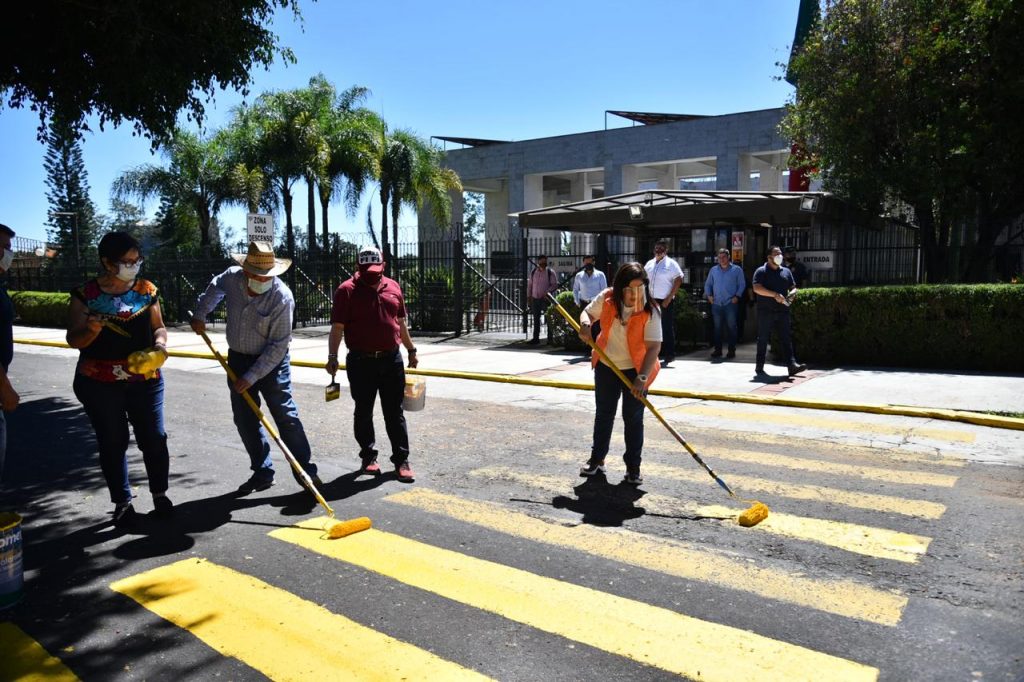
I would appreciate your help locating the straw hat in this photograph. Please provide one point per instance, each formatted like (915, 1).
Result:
(261, 261)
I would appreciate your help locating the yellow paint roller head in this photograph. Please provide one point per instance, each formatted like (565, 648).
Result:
(340, 529)
(755, 515)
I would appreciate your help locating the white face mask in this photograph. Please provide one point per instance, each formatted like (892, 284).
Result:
(777, 260)
(126, 273)
(257, 287)
(6, 260)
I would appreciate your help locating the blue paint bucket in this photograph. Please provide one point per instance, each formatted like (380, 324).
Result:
(11, 572)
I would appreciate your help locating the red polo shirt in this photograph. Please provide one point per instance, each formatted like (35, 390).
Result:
(370, 315)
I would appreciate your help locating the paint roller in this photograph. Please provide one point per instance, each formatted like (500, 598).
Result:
(757, 512)
(335, 529)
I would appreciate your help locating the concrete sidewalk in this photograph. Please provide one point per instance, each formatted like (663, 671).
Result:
(972, 391)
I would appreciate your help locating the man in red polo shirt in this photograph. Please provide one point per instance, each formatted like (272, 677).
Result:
(369, 314)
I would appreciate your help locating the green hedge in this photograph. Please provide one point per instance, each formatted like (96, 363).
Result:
(41, 309)
(970, 327)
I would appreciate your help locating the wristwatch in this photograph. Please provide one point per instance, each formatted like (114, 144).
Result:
(411, 351)
(642, 378)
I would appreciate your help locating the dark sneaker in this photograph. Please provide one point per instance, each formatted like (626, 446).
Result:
(592, 468)
(533, 342)
(730, 355)
(404, 473)
(256, 483)
(370, 466)
(717, 353)
(759, 369)
(124, 515)
(163, 507)
(633, 476)
(796, 369)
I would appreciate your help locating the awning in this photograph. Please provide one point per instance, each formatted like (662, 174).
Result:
(685, 209)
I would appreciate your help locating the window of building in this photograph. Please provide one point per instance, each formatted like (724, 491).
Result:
(699, 182)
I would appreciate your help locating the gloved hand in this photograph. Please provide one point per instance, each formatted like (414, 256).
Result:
(147, 361)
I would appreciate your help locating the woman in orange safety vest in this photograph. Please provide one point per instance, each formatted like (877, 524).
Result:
(630, 335)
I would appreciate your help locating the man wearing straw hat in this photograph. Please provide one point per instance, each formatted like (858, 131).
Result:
(260, 310)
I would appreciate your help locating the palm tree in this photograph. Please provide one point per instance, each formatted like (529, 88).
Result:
(276, 135)
(196, 177)
(411, 174)
(352, 164)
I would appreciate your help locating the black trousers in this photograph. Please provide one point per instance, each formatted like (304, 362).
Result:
(775, 318)
(369, 377)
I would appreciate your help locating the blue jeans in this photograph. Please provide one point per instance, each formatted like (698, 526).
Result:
(276, 389)
(607, 389)
(774, 317)
(724, 315)
(111, 406)
(367, 377)
(668, 331)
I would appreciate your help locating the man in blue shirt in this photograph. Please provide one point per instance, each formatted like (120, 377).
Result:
(588, 283)
(775, 290)
(724, 290)
(260, 308)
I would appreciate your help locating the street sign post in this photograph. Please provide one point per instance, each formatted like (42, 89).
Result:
(260, 227)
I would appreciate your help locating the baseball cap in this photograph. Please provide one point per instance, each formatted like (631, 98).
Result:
(371, 258)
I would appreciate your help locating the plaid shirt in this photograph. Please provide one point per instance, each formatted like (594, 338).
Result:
(257, 325)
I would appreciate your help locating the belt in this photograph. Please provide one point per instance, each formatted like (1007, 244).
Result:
(374, 354)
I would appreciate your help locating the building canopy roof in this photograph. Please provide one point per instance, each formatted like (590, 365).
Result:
(683, 209)
(651, 118)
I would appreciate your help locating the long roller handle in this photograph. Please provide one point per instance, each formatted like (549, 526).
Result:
(299, 471)
(647, 403)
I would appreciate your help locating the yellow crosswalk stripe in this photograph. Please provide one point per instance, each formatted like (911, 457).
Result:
(649, 634)
(25, 660)
(817, 466)
(793, 418)
(788, 442)
(680, 559)
(924, 509)
(851, 537)
(281, 635)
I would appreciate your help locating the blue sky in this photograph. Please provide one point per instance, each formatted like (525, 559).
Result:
(497, 70)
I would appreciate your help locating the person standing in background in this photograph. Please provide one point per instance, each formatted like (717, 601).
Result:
(542, 281)
(724, 291)
(588, 283)
(665, 277)
(9, 398)
(800, 273)
(774, 286)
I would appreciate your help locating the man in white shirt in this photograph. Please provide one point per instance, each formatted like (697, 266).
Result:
(666, 277)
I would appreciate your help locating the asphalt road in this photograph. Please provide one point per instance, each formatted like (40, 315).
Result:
(902, 563)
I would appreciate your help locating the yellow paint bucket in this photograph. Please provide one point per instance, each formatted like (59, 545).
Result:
(11, 572)
(415, 394)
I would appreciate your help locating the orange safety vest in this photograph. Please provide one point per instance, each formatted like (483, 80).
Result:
(634, 337)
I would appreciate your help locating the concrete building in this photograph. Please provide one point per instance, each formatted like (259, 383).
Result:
(742, 151)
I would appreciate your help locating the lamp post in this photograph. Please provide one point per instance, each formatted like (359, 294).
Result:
(74, 233)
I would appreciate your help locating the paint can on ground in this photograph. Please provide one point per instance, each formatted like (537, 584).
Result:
(11, 572)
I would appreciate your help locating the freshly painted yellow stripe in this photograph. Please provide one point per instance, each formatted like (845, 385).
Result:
(25, 660)
(815, 465)
(683, 560)
(924, 509)
(275, 632)
(851, 537)
(799, 419)
(649, 634)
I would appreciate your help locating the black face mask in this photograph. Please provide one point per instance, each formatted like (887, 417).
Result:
(589, 267)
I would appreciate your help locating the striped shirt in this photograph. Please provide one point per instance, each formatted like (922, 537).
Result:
(257, 325)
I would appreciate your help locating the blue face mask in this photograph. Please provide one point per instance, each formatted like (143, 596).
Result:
(258, 287)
